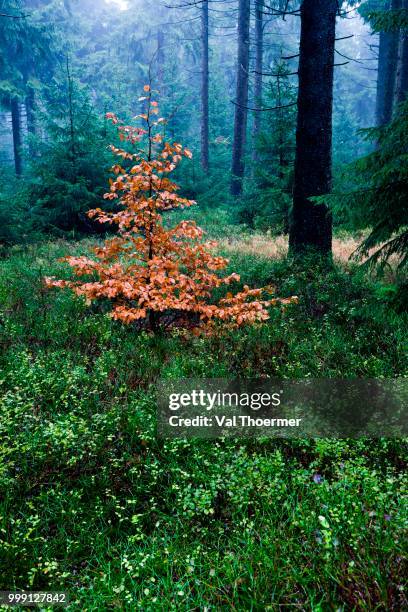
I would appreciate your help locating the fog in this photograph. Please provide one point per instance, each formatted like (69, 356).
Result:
(114, 45)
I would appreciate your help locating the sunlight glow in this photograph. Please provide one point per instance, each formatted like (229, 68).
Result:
(122, 4)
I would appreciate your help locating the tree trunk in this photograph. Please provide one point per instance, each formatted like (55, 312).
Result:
(204, 88)
(241, 98)
(387, 72)
(283, 160)
(31, 126)
(71, 115)
(17, 142)
(160, 61)
(312, 223)
(258, 76)
(402, 77)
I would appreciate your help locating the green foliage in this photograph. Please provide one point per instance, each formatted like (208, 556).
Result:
(267, 201)
(27, 49)
(388, 21)
(70, 168)
(14, 214)
(93, 503)
(377, 194)
(67, 170)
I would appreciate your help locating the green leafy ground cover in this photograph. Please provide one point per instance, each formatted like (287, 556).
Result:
(91, 502)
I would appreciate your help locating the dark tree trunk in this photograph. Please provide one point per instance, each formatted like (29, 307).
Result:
(204, 88)
(241, 98)
(283, 160)
(160, 60)
(312, 223)
(387, 72)
(402, 78)
(31, 125)
(71, 115)
(258, 76)
(17, 142)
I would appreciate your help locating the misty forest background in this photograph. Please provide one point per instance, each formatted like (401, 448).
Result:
(296, 115)
(64, 65)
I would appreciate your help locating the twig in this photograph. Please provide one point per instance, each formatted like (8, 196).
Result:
(260, 110)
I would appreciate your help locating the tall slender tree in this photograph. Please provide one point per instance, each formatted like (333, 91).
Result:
(204, 88)
(241, 98)
(402, 76)
(259, 49)
(312, 223)
(17, 139)
(30, 110)
(160, 59)
(387, 70)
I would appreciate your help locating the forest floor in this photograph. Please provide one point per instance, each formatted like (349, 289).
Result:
(93, 503)
(276, 247)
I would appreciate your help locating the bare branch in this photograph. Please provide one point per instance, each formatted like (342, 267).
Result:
(260, 110)
(351, 59)
(288, 57)
(13, 16)
(272, 74)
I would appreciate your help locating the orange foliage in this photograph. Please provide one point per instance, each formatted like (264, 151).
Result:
(148, 271)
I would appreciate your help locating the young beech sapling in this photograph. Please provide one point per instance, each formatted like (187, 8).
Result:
(150, 273)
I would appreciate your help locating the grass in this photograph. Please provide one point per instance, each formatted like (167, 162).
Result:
(93, 503)
(276, 247)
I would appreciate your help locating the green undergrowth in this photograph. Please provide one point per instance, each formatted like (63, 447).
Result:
(93, 503)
